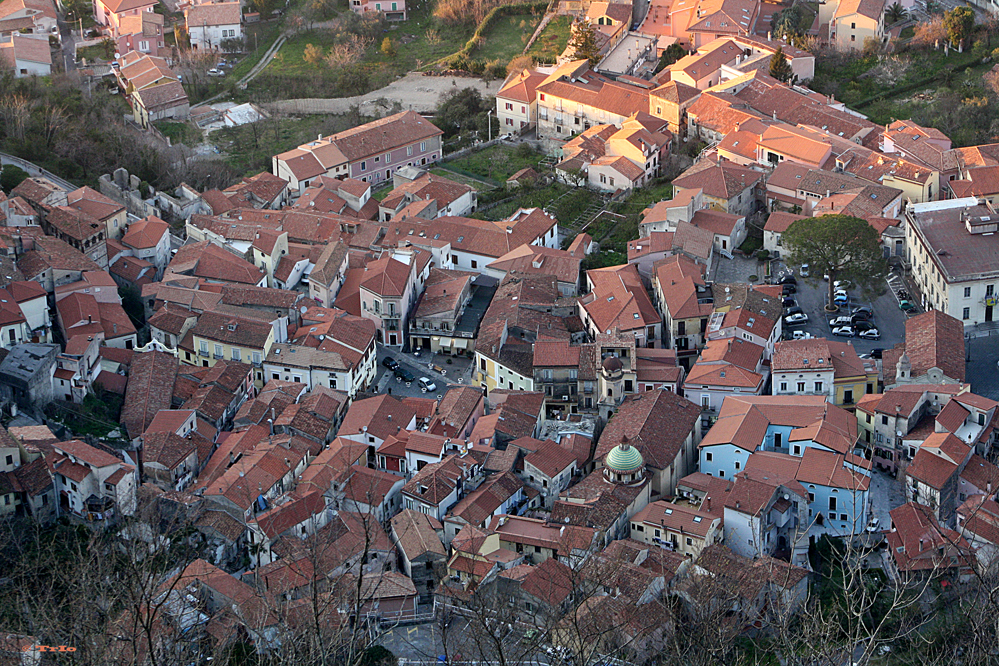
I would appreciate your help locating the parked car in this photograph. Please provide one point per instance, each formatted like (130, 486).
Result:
(844, 331)
(789, 302)
(804, 270)
(215, 72)
(404, 375)
(787, 278)
(842, 284)
(870, 334)
(906, 306)
(427, 384)
(876, 352)
(863, 325)
(789, 289)
(801, 335)
(840, 321)
(841, 298)
(874, 525)
(793, 310)
(796, 318)
(862, 311)
(390, 363)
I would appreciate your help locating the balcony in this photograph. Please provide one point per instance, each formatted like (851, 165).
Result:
(217, 357)
(203, 352)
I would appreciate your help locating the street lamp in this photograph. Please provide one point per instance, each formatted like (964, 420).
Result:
(489, 122)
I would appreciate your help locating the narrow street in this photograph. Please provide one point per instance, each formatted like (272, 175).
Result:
(68, 45)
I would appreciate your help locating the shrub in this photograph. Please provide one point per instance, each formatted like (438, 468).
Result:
(754, 278)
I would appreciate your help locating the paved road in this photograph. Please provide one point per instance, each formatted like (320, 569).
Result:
(68, 46)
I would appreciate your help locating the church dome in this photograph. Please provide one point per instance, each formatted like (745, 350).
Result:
(624, 459)
(612, 364)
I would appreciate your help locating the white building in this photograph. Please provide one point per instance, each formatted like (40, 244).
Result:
(951, 247)
(211, 24)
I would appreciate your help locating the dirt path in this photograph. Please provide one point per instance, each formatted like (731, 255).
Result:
(413, 91)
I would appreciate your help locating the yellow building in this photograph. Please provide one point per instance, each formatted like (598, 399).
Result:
(852, 22)
(218, 336)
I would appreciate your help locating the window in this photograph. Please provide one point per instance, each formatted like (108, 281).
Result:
(256, 358)
(884, 420)
(843, 517)
(364, 166)
(409, 150)
(218, 351)
(275, 375)
(853, 26)
(853, 38)
(797, 449)
(388, 158)
(801, 387)
(818, 387)
(966, 313)
(989, 289)
(235, 354)
(482, 364)
(832, 505)
(738, 465)
(204, 347)
(509, 106)
(690, 542)
(708, 457)
(967, 292)
(423, 146)
(10, 460)
(783, 386)
(612, 181)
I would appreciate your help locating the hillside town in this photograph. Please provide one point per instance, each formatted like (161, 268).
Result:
(365, 407)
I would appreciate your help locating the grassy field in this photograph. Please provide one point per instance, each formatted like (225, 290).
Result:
(92, 53)
(506, 38)
(496, 163)
(562, 201)
(248, 149)
(185, 133)
(417, 41)
(924, 85)
(552, 41)
(259, 37)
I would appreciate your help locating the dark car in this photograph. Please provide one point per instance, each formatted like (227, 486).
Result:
(787, 279)
(876, 352)
(404, 375)
(863, 325)
(794, 309)
(863, 311)
(789, 289)
(390, 363)
(789, 302)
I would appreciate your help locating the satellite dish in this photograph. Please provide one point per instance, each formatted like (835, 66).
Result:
(304, 309)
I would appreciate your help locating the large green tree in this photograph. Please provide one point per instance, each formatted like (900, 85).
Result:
(840, 246)
(780, 68)
(959, 22)
(584, 42)
(671, 54)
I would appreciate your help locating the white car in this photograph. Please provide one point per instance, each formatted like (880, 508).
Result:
(842, 284)
(870, 334)
(840, 321)
(804, 270)
(845, 331)
(874, 525)
(427, 384)
(796, 318)
(215, 72)
(801, 335)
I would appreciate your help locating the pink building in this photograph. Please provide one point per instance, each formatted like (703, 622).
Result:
(387, 293)
(111, 13)
(394, 10)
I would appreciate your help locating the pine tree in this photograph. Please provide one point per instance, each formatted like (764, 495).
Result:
(780, 68)
(584, 42)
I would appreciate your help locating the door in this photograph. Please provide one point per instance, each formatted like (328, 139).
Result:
(988, 313)
(392, 339)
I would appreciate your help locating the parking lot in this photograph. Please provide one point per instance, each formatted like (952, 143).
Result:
(419, 366)
(812, 295)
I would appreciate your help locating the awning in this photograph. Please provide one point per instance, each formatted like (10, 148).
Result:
(436, 338)
(461, 343)
(446, 342)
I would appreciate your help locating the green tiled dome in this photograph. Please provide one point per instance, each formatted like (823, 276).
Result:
(624, 458)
